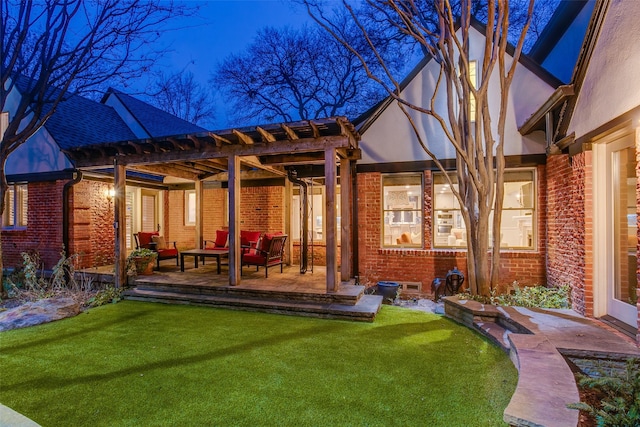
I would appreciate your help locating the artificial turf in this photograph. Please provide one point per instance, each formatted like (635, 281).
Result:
(146, 364)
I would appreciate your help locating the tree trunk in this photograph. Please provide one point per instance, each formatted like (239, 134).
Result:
(3, 191)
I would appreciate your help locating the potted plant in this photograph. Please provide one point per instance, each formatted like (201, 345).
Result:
(141, 261)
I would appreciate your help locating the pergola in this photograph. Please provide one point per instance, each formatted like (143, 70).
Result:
(232, 154)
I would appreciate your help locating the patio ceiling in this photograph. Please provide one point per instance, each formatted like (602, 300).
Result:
(205, 155)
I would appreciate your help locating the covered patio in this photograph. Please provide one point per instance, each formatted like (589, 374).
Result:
(325, 149)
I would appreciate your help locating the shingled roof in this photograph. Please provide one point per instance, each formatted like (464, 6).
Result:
(154, 121)
(79, 121)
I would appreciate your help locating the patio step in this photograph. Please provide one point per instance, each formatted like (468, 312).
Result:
(364, 309)
(494, 331)
(347, 295)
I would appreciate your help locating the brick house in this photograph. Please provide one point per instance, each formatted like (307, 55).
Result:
(571, 195)
(407, 228)
(51, 205)
(593, 145)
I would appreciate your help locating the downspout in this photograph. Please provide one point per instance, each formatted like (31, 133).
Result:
(65, 208)
(304, 244)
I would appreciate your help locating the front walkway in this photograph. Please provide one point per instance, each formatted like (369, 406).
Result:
(541, 344)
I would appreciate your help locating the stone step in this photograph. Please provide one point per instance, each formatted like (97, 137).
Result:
(494, 331)
(347, 295)
(365, 309)
(546, 385)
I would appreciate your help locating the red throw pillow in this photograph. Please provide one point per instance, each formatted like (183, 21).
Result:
(222, 238)
(265, 242)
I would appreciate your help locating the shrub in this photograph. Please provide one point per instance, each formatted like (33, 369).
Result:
(536, 296)
(620, 405)
(30, 283)
(529, 296)
(109, 295)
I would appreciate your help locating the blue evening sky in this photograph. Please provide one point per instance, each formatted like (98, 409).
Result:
(223, 27)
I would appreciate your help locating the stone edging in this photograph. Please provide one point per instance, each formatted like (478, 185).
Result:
(546, 384)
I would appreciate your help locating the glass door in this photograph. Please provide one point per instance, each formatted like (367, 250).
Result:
(622, 295)
(615, 229)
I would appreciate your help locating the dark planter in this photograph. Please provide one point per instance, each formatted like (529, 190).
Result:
(388, 290)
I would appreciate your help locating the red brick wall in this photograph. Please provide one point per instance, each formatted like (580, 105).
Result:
(566, 239)
(638, 230)
(44, 227)
(91, 217)
(261, 209)
(423, 265)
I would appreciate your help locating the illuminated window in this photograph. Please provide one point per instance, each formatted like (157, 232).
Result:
(190, 207)
(518, 212)
(402, 210)
(473, 76)
(315, 205)
(16, 203)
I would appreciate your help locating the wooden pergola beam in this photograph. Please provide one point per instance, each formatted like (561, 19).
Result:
(291, 134)
(209, 152)
(315, 129)
(243, 137)
(294, 159)
(170, 170)
(256, 163)
(220, 141)
(266, 136)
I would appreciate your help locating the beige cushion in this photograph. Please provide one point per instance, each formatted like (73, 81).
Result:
(160, 242)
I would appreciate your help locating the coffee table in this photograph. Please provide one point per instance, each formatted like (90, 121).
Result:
(197, 253)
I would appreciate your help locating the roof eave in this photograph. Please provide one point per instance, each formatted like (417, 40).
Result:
(558, 96)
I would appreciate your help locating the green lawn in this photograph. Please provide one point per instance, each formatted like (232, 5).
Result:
(147, 364)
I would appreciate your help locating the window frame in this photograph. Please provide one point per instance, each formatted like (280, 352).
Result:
(188, 195)
(473, 76)
(456, 220)
(16, 211)
(387, 213)
(320, 191)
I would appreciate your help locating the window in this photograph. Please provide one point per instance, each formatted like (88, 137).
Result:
(316, 224)
(402, 210)
(518, 212)
(473, 76)
(149, 212)
(190, 207)
(16, 203)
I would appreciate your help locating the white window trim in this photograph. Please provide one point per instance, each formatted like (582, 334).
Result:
(534, 218)
(18, 210)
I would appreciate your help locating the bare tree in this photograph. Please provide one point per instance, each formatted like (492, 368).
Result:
(181, 95)
(52, 49)
(479, 149)
(288, 74)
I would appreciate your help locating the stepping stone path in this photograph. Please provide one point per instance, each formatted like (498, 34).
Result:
(35, 313)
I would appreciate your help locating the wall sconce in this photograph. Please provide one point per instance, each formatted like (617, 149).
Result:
(110, 193)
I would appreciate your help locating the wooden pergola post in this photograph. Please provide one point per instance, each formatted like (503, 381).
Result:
(235, 263)
(330, 179)
(120, 224)
(345, 219)
(199, 211)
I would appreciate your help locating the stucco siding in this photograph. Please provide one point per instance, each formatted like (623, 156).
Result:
(611, 86)
(390, 138)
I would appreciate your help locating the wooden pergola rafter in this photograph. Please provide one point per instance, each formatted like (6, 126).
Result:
(229, 154)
